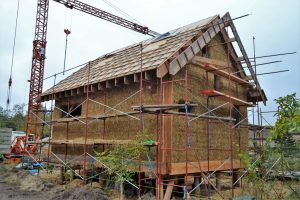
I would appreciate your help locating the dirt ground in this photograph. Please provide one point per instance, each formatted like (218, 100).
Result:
(21, 185)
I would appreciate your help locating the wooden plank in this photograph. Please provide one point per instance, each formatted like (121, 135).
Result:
(200, 59)
(226, 97)
(240, 44)
(197, 167)
(80, 141)
(163, 106)
(211, 66)
(101, 116)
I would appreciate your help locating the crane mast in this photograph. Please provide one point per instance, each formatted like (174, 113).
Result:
(38, 60)
(37, 74)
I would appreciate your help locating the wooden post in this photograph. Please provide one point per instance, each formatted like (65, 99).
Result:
(235, 178)
(62, 174)
(197, 180)
(161, 192)
(169, 190)
(72, 174)
(218, 181)
(122, 191)
(101, 181)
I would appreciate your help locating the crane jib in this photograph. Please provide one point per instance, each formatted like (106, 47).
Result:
(74, 4)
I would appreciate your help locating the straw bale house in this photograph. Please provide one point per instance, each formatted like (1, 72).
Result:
(197, 64)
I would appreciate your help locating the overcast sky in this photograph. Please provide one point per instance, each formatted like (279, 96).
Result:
(275, 25)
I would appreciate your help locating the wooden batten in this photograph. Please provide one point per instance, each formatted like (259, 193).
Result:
(136, 78)
(108, 84)
(100, 86)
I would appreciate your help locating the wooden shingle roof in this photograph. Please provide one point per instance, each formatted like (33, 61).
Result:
(164, 54)
(126, 61)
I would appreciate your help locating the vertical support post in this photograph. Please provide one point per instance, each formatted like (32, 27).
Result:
(235, 176)
(86, 123)
(101, 181)
(141, 116)
(169, 190)
(197, 180)
(218, 181)
(51, 124)
(159, 186)
(186, 131)
(67, 137)
(62, 174)
(208, 128)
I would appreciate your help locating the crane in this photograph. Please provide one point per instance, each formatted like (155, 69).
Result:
(38, 63)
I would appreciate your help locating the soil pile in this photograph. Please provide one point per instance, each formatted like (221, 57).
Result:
(81, 193)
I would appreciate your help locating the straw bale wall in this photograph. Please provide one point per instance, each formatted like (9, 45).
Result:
(219, 131)
(115, 128)
(173, 131)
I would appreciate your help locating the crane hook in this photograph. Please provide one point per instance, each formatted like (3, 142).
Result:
(67, 32)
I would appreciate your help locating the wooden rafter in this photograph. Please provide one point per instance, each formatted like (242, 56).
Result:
(217, 67)
(226, 97)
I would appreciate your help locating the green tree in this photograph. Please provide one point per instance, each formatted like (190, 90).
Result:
(288, 118)
(122, 160)
(15, 119)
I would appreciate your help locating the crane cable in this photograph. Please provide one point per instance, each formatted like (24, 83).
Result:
(126, 15)
(67, 32)
(9, 91)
